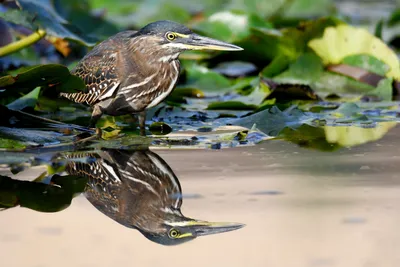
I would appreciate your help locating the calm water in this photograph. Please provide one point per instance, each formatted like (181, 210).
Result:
(301, 208)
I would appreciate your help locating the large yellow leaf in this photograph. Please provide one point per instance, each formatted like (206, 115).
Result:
(344, 40)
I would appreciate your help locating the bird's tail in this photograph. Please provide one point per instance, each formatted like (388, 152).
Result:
(76, 97)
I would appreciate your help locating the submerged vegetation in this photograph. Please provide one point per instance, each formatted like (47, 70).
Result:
(307, 74)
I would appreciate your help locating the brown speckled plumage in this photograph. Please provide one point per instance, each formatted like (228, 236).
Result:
(134, 188)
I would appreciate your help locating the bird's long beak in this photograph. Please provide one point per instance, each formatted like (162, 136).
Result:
(198, 42)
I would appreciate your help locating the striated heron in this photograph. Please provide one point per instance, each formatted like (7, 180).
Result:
(139, 190)
(133, 71)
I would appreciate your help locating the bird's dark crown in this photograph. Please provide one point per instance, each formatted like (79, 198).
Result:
(163, 26)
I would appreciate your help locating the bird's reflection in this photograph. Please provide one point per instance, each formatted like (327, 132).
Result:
(139, 190)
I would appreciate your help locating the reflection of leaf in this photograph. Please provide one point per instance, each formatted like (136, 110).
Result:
(39, 196)
(28, 100)
(344, 40)
(351, 135)
(308, 137)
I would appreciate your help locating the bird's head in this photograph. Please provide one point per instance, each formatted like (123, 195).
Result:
(177, 229)
(173, 38)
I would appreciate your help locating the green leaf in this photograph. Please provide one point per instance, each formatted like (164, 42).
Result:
(78, 13)
(204, 79)
(230, 26)
(41, 75)
(367, 62)
(230, 105)
(273, 121)
(305, 70)
(309, 8)
(342, 41)
(40, 14)
(28, 100)
(284, 92)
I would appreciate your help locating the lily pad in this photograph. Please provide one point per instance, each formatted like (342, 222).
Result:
(41, 14)
(28, 100)
(273, 121)
(41, 75)
(206, 80)
(283, 92)
(342, 41)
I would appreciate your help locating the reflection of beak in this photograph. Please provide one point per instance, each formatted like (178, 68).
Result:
(201, 228)
(198, 42)
(209, 228)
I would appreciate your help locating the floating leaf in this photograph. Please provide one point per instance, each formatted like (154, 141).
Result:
(230, 26)
(204, 79)
(231, 105)
(273, 121)
(288, 92)
(28, 100)
(39, 14)
(342, 41)
(41, 75)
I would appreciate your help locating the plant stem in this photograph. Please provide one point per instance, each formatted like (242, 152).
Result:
(20, 44)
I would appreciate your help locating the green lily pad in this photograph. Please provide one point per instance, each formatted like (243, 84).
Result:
(231, 105)
(288, 92)
(40, 14)
(230, 26)
(272, 121)
(367, 62)
(41, 75)
(342, 41)
(28, 100)
(205, 80)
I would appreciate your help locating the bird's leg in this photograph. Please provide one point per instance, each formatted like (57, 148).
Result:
(142, 123)
(96, 115)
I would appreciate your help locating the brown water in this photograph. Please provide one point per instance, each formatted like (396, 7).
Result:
(300, 207)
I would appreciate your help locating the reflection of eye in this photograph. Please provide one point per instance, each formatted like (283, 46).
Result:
(173, 233)
(170, 36)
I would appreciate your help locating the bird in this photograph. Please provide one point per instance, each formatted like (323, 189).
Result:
(133, 71)
(139, 190)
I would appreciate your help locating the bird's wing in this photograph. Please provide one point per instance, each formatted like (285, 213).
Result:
(99, 70)
(147, 173)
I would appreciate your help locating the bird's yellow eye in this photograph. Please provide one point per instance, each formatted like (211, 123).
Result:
(173, 233)
(170, 36)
